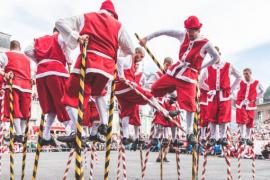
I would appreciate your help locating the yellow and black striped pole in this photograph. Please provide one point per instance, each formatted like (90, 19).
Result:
(109, 132)
(195, 148)
(11, 130)
(79, 129)
(152, 56)
(38, 149)
(25, 149)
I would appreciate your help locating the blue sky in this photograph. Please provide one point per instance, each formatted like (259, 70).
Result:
(240, 28)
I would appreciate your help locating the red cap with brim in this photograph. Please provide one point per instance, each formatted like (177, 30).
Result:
(192, 22)
(108, 5)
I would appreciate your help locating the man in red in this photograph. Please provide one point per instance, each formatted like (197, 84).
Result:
(105, 34)
(16, 66)
(218, 78)
(183, 75)
(51, 55)
(128, 99)
(248, 92)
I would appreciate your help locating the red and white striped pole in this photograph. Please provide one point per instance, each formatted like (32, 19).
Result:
(253, 155)
(1, 133)
(68, 163)
(206, 152)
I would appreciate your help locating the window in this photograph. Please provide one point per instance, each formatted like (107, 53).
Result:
(260, 115)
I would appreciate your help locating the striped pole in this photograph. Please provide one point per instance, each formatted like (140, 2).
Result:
(152, 56)
(122, 151)
(205, 154)
(93, 151)
(240, 150)
(109, 132)
(85, 157)
(1, 133)
(11, 130)
(119, 161)
(148, 150)
(195, 148)
(226, 152)
(68, 163)
(141, 152)
(253, 156)
(177, 155)
(39, 147)
(25, 149)
(79, 129)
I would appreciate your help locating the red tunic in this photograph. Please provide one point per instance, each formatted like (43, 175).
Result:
(191, 56)
(247, 95)
(219, 82)
(19, 64)
(103, 44)
(50, 57)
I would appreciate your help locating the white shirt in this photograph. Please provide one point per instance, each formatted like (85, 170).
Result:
(70, 29)
(122, 64)
(180, 36)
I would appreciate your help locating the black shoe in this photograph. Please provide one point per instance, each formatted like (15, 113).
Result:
(67, 139)
(165, 160)
(219, 142)
(7, 139)
(97, 138)
(249, 142)
(177, 143)
(102, 129)
(242, 141)
(158, 159)
(191, 139)
(165, 142)
(211, 143)
(154, 142)
(18, 138)
(134, 146)
(174, 113)
(224, 142)
(44, 142)
(126, 141)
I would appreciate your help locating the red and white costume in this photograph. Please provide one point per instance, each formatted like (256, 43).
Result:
(218, 78)
(19, 64)
(247, 94)
(183, 75)
(128, 99)
(106, 35)
(51, 55)
(91, 114)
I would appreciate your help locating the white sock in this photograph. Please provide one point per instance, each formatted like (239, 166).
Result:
(213, 130)
(166, 133)
(136, 132)
(203, 130)
(85, 131)
(158, 131)
(223, 128)
(248, 133)
(174, 134)
(242, 128)
(17, 126)
(94, 129)
(159, 107)
(73, 115)
(23, 123)
(89, 130)
(49, 121)
(190, 121)
(125, 126)
(102, 109)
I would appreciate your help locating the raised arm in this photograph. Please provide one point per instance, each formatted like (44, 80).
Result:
(237, 76)
(260, 90)
(209, 48)
(70, 29)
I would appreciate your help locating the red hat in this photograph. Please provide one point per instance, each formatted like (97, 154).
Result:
(108, 5)
(192, 22)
